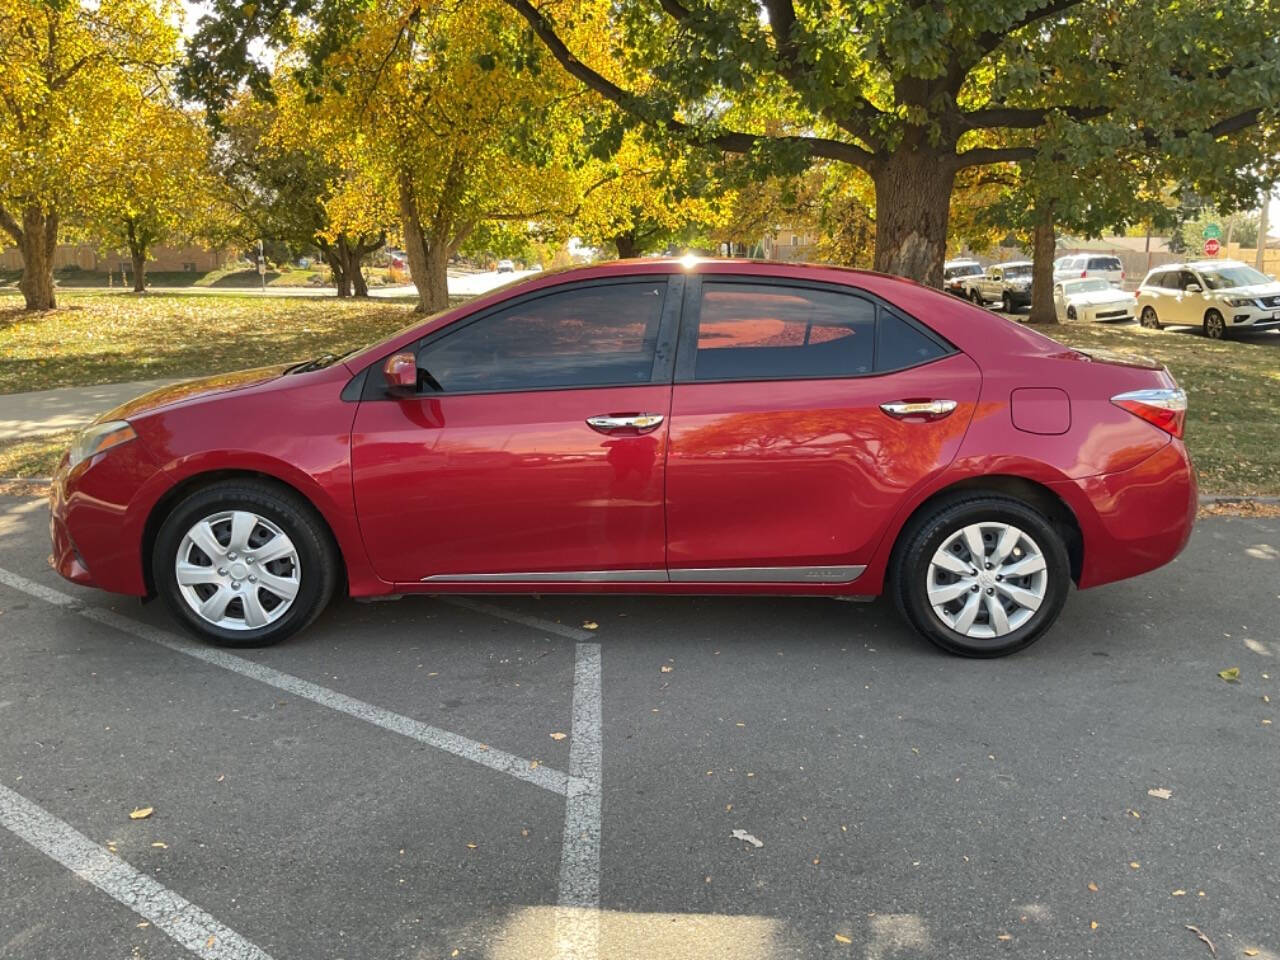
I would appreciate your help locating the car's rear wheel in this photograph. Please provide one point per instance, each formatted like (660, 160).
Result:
(981, 577)
(1215, 328)
(244, 563)
(1149, 319)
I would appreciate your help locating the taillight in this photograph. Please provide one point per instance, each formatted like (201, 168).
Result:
(1083, 274)
(1166, 408)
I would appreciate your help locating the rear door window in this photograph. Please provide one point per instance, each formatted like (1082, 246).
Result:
(1104, 263)
(750, 331)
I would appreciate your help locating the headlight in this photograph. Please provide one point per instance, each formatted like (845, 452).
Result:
(98, 438)
(1240, 302)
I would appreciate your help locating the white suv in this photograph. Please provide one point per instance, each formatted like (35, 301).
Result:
(1084, 265)
(1221, 296)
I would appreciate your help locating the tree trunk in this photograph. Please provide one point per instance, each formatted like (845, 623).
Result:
(428, 254)
(1044, 246)
(37, 239)
(627, 246)
(913, 200)
(138, 254)
(337, 265)
(360, 286)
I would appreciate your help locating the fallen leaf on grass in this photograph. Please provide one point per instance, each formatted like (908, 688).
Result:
(1203, 939)
(590, 625)
(558, 736)
(743, 835)
(1162, 793)
(1231, 674)
(142, 813)
(841, 938)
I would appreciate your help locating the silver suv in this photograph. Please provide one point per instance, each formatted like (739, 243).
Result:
(1221, 296)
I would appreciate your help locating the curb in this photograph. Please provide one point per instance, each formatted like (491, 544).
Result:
(1224, 498)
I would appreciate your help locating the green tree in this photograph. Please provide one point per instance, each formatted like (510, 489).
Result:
(71, 76)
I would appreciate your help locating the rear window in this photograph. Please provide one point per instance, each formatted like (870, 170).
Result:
(1105, 263)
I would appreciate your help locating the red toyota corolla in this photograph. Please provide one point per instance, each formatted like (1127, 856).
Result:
(647, 427)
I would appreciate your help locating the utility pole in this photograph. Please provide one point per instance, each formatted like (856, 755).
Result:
(262, 268)
(1260, 256)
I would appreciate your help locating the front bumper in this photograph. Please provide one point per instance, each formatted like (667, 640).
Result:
(97, 518)
(1252, 318)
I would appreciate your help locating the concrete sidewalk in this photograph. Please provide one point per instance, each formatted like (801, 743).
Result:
(49, 411)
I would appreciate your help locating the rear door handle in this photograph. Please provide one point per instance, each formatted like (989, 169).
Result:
(642, 422)
(925, 409)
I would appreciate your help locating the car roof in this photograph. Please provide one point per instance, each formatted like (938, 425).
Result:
(1013, 263)
(1197, 265)
(961, 262)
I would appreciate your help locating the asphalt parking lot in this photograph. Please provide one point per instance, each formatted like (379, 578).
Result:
(394, 782)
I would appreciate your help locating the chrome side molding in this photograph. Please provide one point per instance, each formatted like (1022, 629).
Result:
(843, 574)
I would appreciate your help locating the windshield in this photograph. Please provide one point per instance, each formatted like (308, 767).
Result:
(964, 270)
(1088, 286)
(1018, 270)
(1224, 278)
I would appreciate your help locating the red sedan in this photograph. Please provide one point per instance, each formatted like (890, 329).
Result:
(647, 427)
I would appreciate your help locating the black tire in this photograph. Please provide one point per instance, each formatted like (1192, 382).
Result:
(1071, 313)
(918, 542)
(1215, 327)
(1005, 305)
(317, 557)
(976, 297)
(1149, 318)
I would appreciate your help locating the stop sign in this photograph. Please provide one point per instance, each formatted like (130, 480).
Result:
(1211, 247)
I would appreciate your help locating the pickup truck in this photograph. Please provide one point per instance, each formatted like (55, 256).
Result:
(1006, 284)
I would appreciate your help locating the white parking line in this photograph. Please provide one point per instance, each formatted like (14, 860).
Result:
(578, 930)
(459, 746)
(550, 626)
(179, 918)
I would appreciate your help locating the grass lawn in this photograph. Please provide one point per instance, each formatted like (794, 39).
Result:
(1233, 425)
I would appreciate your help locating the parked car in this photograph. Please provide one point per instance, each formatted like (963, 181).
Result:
(688, 427)
(506, 266)
(1221, 297)
(1084, 265)
(1092, 299)
(1005, 284)
(956, 272)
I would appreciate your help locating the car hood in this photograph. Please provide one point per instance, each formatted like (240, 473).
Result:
(1095, 297)
(176, 393)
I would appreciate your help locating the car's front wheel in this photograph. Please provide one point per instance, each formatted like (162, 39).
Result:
(1215, 328)
(244, 563)
(981, 577)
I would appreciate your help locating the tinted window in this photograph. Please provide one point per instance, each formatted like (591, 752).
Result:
(899, 344)
(1104, 263)
(1185, 279)
(588, 336)
(760, 332)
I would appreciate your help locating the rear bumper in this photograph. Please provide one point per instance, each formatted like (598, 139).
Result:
(1135, 520)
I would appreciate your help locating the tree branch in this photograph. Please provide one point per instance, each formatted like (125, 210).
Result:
(1017, 118)
(981, 156)
(10, 225)
(990, 39)
(731, 141)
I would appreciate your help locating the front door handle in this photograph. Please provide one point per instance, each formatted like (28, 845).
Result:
(923, 409)
(640, 422)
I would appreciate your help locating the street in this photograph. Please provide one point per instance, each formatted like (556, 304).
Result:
(432, 778)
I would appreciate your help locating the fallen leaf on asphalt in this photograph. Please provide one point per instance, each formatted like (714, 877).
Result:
(816, 861)
(667, 668)
(1231, 674)
(454, 954)
(743, 835)
(1250, 952)
(221, 777)
(1093, 887)
(144, 924)
(590, 625)
(471, 846)
(841, 938)
(160, 845)
(1093, 924)
(558, 736)
(533, 765)
(524, 831)
(1178, 893)
(1203, 939)
(1134, 864)
(142, 813)
(208, 944)
(1162, 793)
(1005, 936)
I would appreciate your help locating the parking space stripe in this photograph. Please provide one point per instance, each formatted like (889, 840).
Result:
(578, 929)
(179, 918)
(550, 626)
(519, 767)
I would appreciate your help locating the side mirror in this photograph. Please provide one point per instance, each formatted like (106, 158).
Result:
(401, 373)
(1192, 288)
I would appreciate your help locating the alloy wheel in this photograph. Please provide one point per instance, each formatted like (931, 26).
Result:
(1215, 327)
(237, 570)
(987, 580)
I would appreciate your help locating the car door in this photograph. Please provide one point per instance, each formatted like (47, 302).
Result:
(1190, 303)
(793, 435)
(534, 450)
